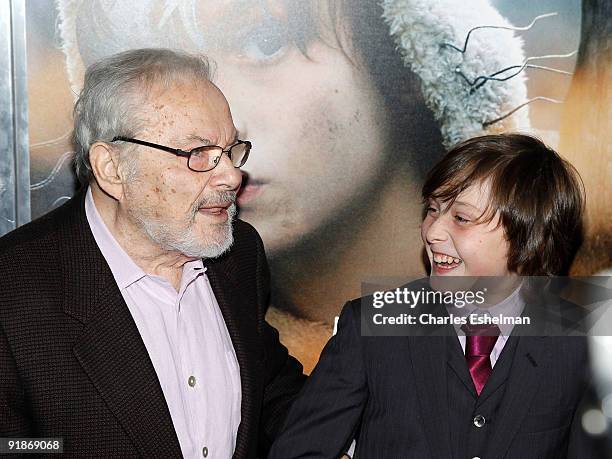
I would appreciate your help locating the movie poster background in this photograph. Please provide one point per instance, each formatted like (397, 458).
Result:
(341, 129)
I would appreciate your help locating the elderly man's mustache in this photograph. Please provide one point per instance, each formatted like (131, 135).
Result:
(217, 199)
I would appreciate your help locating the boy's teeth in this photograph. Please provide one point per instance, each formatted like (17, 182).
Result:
(446, 259)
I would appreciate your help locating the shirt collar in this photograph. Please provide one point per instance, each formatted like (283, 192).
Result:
(192, 270)
(511, 306)
(124, 270)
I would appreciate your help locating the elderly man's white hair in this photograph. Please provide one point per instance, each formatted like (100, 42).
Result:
(419, 27)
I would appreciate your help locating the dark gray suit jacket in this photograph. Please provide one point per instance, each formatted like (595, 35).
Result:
(73, 364)
(413, 397)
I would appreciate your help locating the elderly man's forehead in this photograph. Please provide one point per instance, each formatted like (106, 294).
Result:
(158, 94)
(171, 106)
(191, 139)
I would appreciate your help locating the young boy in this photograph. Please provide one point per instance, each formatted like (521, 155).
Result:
(499, 205)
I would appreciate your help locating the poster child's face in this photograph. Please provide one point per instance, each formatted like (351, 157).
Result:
(458, 243)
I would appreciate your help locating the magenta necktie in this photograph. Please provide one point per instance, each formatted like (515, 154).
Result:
(480, 340)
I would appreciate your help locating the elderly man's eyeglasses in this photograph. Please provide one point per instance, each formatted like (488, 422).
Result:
(201, 159)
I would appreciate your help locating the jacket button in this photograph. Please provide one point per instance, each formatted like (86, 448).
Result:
(479, 420)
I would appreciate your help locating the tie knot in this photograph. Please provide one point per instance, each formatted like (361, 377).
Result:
(480, 339)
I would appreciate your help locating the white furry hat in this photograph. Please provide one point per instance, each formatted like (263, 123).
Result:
(421, 29)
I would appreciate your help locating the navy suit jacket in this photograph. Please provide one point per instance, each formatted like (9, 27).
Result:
(413, 397)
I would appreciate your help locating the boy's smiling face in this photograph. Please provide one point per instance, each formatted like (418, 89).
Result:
(457, 240)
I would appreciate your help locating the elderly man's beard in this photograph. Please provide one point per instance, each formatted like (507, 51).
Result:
(183, 237)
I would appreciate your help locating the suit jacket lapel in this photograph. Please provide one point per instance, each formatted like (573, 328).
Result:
(501, 370)
(456, 360)
(113, 355)
(110, 349)
(240, 321)
(428, 355)
(529, 363)
(528, 369)
(454, 356)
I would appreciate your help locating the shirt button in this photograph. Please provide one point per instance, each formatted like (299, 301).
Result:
(191, 381)
(205, 451)
(479, 420)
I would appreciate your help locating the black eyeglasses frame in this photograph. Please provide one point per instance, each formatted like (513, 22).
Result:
(187, 154)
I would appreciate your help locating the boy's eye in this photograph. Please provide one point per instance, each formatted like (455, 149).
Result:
(460, 219)
(431, 210)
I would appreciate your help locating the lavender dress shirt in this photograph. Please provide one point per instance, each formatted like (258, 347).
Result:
(188, 343)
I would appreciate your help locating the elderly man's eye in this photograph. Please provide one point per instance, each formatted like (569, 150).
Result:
(268, 41)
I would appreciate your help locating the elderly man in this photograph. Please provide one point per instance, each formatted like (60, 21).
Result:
(132, 318)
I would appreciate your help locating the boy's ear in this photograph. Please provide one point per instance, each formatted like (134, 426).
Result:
(105, 167)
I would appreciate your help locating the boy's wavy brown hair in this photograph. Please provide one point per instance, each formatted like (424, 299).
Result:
(538, 196)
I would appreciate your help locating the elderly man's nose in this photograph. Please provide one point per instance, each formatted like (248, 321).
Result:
(226, 175)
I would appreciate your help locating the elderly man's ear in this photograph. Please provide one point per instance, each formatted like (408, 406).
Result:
(109, 175)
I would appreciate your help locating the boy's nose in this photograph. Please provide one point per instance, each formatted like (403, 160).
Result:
(436, 232)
